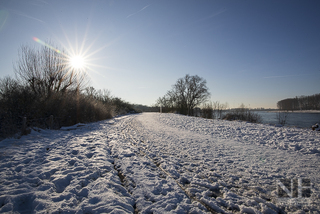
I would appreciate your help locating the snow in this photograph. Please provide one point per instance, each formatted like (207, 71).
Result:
(158, 163)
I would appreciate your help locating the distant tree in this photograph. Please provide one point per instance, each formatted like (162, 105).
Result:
(45, 71)
(207, 110)
(121, 106)
(218, 108)
(103, 96)
(143, 108)
(186, 94)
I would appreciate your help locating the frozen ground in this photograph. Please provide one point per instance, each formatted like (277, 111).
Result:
(159, 163)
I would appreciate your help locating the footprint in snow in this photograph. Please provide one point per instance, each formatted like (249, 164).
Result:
(91, 147)
(62, 183)
(27, 161)
(55, 158)
(71, 162)
(18, 169)
(90, 140)
(89, 155)
(75, 152)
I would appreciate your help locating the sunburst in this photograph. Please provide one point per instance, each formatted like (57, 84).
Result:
(77, 62)
(80, 57)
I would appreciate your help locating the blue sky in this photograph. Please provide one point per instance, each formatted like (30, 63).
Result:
(251, 52)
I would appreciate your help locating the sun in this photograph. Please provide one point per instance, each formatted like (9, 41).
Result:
(77, 62)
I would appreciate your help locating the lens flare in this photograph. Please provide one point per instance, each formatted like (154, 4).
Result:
(45, 44)
(3, 18)
(76, 62)
(77, 59)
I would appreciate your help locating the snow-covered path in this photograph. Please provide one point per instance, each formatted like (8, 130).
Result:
(157, 163)
(198, 152)
(61, 172)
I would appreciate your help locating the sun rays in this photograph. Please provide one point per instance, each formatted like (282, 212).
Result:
(77, 62)
(80, 56)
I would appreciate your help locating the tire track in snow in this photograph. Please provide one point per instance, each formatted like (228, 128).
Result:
(214, 191)
(130, 138)
(146, 181)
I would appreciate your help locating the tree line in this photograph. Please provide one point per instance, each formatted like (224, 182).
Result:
(311, 102)
(46, 85)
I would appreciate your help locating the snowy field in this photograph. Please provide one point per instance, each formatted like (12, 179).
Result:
(159, 163)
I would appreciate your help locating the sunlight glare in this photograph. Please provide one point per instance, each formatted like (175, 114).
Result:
(77, 62)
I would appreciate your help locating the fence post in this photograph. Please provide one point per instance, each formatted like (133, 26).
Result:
(24, 126)
(51, 122)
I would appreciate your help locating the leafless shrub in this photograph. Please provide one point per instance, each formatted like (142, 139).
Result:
(282, 117)
(244, 114)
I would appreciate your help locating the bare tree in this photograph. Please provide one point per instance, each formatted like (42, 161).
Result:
(45, 71)
(186, 94)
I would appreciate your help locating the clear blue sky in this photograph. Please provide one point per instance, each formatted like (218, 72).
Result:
(251, 52)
